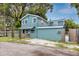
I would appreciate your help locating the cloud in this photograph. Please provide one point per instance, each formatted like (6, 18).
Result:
(66, 11)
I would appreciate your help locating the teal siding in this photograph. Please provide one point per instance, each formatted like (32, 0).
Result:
(31, 23)
(34, 34)
(53, 34)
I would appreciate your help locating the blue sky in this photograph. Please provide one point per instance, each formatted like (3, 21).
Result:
(63, 11)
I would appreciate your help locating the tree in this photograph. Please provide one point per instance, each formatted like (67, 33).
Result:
(3, 10)
(40, 9)
(16, 11)
(76, 5)
(70, 24)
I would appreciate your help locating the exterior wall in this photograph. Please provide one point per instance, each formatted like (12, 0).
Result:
(41, 23)
(31, 23)
(53, 34)
(56, 23)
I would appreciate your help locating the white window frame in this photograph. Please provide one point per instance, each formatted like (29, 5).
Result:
(33, 20)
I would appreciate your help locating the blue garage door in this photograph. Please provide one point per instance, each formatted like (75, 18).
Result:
(54, 34)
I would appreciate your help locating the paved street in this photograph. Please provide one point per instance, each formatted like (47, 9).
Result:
(15, 49)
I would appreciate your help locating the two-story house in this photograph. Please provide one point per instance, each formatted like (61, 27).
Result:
(38, 27)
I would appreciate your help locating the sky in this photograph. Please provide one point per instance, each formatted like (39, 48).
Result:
(62, 11)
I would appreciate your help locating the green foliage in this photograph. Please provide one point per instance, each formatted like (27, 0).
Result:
(70, 24)
(8, 39)
(61, 45)
(18, 24)
(13, 11)
(76, 49)
(1, 24)
(4, 8)
(76, 5)
(40, 9)
(17, 40)
(16, 11)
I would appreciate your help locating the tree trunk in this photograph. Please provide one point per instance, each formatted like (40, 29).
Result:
(6, 32)
(12, 33)
(19, 33)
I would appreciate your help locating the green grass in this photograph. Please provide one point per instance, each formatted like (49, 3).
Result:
(60, 46)
(71, 43)
(9, 39)
(64, 45)
(22, 42)
(76, 49)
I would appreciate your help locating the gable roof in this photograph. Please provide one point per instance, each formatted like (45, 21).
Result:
(34, 15)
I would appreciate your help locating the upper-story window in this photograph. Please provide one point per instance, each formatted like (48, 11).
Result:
(60, 23)
(34, 20)
(25, 21)
(51, 24)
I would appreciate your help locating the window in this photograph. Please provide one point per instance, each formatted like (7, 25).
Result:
(25, 21)
(60, 23)
(34, 20)
(51, 23)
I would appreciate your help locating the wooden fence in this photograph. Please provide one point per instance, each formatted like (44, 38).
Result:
(16, 34)
(74, 35)
(9, 33)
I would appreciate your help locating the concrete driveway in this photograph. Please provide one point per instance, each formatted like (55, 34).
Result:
(15, 49)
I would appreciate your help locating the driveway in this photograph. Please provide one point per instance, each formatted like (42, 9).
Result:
(15, 49)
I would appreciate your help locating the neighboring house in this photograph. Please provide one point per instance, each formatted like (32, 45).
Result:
(59, 22)
(37, 27)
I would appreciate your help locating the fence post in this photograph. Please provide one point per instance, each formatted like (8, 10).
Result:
(77, 32)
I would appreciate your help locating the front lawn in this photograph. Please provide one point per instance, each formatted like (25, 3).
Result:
(9, 39)
(69, 45)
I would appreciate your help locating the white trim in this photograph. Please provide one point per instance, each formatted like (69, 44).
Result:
(43, 27)
(56, 20)
(34, 18)
(34, 15)
(26, 27)
(51, 27)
